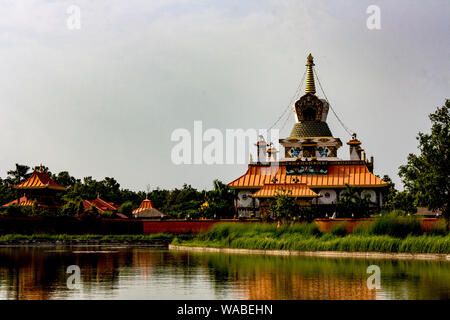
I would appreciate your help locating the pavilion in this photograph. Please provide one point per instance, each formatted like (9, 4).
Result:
(39, 188)
(147, 210)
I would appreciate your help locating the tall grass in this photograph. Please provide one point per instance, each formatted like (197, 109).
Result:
(235, 230)
(396, 226)
(384, 235)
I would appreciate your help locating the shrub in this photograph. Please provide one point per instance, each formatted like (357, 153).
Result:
(339, 230)
(395, 226)
(71, 208)
(17, 211)
(438, 229)
(106, 214)
(126, 208)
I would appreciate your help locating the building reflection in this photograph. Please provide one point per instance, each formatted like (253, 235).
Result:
(40, 274)
(265, 286)
(37, 273)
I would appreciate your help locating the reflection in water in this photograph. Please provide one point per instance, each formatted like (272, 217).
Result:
(142, 273)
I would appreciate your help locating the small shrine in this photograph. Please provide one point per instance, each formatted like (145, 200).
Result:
(147, 210)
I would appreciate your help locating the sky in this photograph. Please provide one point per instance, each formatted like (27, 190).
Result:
(104, 99)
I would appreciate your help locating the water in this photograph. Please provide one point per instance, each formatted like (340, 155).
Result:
(142, 273)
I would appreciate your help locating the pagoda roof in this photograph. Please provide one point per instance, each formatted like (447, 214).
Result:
(39, 180)
(145, 204)
(297, 190)
(100, 204)
(149, 213)
(338, 176)
(23, 201)
(147, 210)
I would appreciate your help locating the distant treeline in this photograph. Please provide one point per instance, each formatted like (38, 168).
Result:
(177, 203)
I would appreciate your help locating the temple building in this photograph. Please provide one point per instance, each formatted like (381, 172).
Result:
(39, 188)
(309, 169)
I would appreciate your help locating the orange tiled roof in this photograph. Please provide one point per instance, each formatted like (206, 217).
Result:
(100, 204)
(298, 190)
(145, 204)
(338, 176)
(23, 201)
(40, 180)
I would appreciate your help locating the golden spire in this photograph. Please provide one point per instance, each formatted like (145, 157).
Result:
(310, 85)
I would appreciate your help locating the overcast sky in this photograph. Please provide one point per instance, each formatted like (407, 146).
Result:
(103, 100)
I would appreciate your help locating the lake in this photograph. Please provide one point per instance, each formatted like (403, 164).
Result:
(121, 272)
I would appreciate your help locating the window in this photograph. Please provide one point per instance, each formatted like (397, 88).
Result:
(309, 114)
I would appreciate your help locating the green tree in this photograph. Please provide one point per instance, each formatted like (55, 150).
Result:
(397, 200)
(18, 175)
(427, 175)
(352, 204)
(126, 208)
(64, 179)
(402, 200)
(72, 207)
(284, 206)
(6, 192)
(220, 201)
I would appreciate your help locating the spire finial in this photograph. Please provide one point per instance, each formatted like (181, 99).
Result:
(310, 85)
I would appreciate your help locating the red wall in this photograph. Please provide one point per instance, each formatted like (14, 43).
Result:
(328, 224)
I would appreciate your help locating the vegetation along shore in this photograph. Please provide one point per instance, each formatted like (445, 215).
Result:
(67, 239)
(388, 234)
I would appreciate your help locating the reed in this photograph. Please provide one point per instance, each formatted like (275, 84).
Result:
(386, 236)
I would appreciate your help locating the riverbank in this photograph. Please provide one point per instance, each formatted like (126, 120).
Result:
(323, 254)
(403, 239)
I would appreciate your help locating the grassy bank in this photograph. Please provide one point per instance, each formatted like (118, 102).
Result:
(20, 238)
(379, 237)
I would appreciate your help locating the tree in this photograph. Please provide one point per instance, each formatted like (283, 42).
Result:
(427, 175)
(220, 201)
(397, 200)
(352, 204)
(64, 179)
(72, 208)
(283, 207)
(6, 193)
(390, 191)
(402, 200)
(20, 174)
(126, 208)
